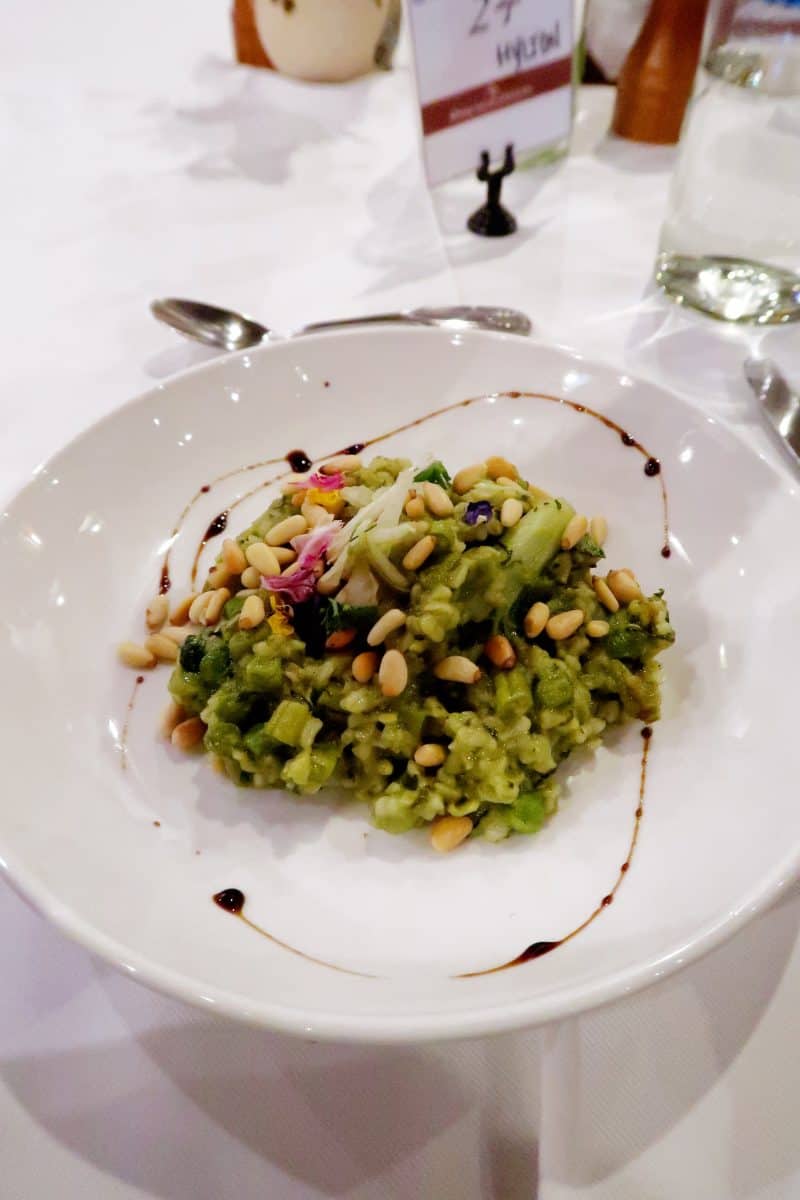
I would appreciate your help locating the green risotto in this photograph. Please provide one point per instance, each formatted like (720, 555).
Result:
(434, 645)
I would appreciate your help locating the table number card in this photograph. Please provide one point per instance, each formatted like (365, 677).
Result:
(490, 72)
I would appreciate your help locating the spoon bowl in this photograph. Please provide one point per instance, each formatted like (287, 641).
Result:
(206, 323)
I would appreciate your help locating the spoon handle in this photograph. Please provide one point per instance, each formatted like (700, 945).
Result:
(389, 318)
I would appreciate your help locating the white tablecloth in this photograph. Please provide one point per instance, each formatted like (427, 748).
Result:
(137, 161)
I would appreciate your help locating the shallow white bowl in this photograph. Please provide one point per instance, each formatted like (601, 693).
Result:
(81, 550)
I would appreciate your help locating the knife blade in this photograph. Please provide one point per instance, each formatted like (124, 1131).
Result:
(779, 405)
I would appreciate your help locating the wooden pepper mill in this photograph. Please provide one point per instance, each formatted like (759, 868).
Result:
(656, 81)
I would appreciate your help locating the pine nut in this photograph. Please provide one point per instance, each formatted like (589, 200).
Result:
(457, 669)
(219, 599)
(511, 512)
(536, 618)
(197, 611)
(163, 647)
(538, 494)
(563, 625)
(506, 481)
(467, 477)
(499, 651)
(449, 832)
(574, 532)
(341, 462)
(415, 507)
(180, 613)
(284, 555)
(218, 577)
(598, 529)
(285, 530)
(391, 620)
(251, 577)
(624, 586)
(253, 613)
(179, 633)
(233, 556)
(430, 755)
(420, 553)
(315, 514)
(299, 499)
(263, 559)
(188, 734)
(364, 666)
(498, 467)
(392, 673)
(604, 594)
(437, 499)
(172, 715)
(156, 612)
(597, 629)
(340, 639)
(135, 656)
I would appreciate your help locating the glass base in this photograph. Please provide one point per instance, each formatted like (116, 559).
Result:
(731, 289)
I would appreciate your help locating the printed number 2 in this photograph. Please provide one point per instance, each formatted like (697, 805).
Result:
(480, 25)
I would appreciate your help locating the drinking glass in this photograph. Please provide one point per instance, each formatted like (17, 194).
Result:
(730, 244)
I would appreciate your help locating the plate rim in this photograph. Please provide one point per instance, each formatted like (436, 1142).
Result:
(485, 1019)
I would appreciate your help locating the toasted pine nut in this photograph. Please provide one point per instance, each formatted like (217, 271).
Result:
(188, 734)
(341, 462)
(364, 666)
(467, 477)
(197, 611)
(457, 669)
(216, 763)
(172, 715)
(499, 651)
(285, 530)
(449, 832)
(536, 618)
(393, 673)
(219, 599)
(218, 576)
(163, 647)
(538, 494)
(299, 499)
(179, 633)
(156, 612)
(340, 639)
(437, 499)
(624, 586)
(391, 620)
(133, 655)
(233, 556)
(251, 576)
(574, 532)
(415, 507)
(604, 594)
(506, 481)
(430, 755)
(315, 514)
(284, 555)
(597, 629)
(180, 613)
(564, 624)
(511, 512)
(598, 529)
(253, 613)
(497, 467)
(263, 559)
(420, 552)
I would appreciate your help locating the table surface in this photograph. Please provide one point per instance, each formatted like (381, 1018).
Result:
(139, 161)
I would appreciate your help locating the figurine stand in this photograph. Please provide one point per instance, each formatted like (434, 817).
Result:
(492, 219)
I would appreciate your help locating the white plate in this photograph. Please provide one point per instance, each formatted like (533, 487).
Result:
(81, 550)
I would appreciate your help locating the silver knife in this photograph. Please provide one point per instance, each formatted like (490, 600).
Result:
(779, 404)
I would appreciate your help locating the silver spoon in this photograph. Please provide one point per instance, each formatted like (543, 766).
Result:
(229, 330)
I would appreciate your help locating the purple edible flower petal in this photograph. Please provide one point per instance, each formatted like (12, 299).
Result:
(477, 512)
(311, 548)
